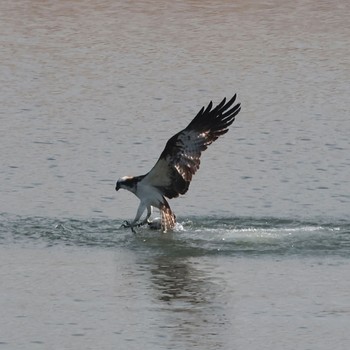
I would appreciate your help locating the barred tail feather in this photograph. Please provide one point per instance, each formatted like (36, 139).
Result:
(168, 218)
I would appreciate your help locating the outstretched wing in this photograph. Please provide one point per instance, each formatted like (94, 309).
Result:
(180, 158)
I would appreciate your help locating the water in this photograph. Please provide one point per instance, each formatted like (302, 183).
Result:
(91, 91)
(238, 237)
(216, 283)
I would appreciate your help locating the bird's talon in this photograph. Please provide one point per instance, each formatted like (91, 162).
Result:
(125, 224)
(142, 223)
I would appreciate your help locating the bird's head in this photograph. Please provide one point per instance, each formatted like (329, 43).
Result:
(127, 183)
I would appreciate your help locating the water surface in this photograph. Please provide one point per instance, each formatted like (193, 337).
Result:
(91, 91)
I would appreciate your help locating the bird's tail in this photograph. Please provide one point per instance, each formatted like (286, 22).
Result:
(168, 218)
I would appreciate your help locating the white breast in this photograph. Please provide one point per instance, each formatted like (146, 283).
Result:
(149, 195)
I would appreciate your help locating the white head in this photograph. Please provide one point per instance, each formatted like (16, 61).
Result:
(127, 183)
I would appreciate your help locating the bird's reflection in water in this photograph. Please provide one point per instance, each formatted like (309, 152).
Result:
(193, 316)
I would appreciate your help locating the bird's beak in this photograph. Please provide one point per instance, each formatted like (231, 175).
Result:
(117, 187)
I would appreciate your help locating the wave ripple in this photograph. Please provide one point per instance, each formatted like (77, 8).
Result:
(197, 236)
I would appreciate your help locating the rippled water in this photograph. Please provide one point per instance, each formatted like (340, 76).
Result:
(194, 237)
(214, 283)
(91, 91)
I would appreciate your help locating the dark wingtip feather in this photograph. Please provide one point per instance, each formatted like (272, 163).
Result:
(210, 105)
(208, 117)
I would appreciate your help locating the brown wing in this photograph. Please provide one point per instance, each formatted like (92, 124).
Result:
(168, 219)
(180, 158)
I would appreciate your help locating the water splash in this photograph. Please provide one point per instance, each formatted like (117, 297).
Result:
(193, 237)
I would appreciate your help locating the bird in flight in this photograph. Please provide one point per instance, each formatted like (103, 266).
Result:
(179, 161)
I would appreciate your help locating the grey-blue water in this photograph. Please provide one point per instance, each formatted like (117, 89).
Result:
(197, 236)
(91, 91)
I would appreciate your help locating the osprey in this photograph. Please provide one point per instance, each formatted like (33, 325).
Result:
(179, 161)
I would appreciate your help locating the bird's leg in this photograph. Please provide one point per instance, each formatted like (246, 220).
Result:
(149, 213)
(139, 213)
(145, 221)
